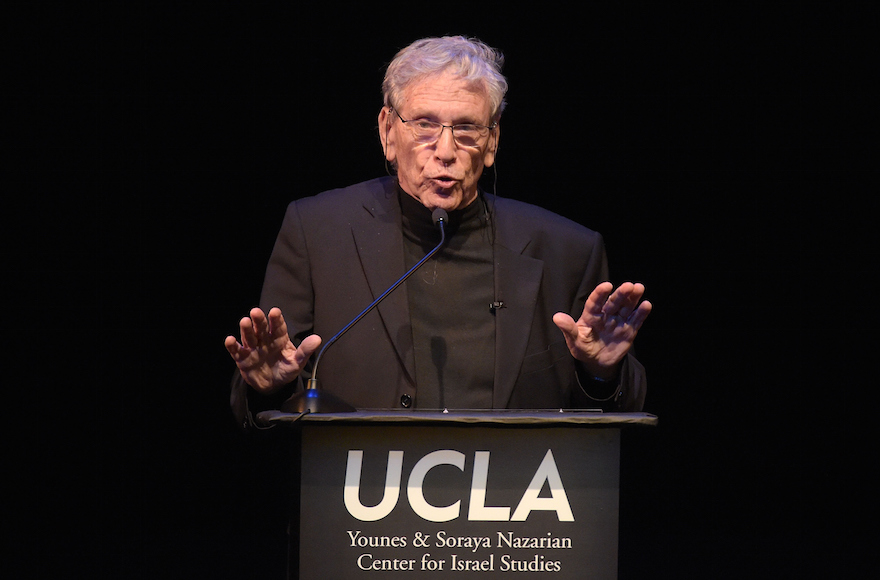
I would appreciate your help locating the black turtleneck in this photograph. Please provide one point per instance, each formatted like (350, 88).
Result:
(449, 297)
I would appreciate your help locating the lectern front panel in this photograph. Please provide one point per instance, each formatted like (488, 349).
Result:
(450, 501)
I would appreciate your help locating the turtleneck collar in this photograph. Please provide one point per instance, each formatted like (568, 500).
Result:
(417, 220)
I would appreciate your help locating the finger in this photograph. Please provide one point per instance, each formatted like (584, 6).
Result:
(261, 326)
(630, 299)
(618, 299)
(641, 314)
(625, 300)
(232, 346)
(635, 295)
(248, 336)
(597, 298)
(277, 325)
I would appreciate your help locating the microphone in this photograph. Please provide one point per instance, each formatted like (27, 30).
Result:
(439, 217)
(314, 400)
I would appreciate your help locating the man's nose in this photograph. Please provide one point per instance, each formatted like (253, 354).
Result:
(446, 146)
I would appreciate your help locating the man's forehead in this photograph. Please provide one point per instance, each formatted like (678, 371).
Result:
(448, 92)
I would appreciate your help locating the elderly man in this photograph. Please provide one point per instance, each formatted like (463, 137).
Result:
(515, 311)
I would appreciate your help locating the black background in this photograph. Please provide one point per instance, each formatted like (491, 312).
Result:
(151, 149)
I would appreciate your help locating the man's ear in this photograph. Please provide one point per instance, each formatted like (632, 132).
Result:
(492, 148)
(386, 137)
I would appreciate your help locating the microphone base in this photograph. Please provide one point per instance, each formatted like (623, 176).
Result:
(316, 401)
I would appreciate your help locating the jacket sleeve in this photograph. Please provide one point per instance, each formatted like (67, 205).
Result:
(288, 286)
(626, 392)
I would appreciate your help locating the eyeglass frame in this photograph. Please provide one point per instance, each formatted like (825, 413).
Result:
(489, 128)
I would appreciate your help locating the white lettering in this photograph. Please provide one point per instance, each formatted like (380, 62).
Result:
(536, 564)
(359, 541)
(351, 494)
(477, 510)
(431, 565)
(472, 542)
(547, 472)
(558, 502)
(417, 478)
(549, 542)
(366, 562)
(473, 565)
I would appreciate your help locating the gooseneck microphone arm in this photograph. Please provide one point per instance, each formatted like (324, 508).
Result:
(440, 219)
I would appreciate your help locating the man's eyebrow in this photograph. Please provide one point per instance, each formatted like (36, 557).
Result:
(463, 120)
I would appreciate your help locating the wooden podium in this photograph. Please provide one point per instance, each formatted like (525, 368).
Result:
(411, 494)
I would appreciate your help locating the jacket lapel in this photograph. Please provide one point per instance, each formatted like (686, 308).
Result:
(379, 244)
(517, 282)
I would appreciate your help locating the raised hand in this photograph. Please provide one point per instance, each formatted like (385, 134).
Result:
(266, 357)
(607, 328)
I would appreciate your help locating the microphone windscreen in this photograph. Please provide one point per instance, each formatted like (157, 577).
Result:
(439, 214)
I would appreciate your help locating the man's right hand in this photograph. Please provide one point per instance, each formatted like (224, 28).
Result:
(266, 357)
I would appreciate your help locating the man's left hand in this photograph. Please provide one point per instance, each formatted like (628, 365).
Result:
(607, 328)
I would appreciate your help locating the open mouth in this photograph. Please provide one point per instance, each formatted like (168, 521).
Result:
(444, 181)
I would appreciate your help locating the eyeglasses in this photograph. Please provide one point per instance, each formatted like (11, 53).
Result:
(465, 134)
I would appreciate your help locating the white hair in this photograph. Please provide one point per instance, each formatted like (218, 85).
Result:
(468, 58)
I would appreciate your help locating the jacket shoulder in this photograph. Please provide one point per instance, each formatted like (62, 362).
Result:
(374, 194)
(540, 224)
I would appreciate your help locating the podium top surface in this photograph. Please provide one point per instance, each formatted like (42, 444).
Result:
(545, 418)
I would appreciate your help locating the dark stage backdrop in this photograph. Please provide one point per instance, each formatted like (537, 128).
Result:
(707, 144)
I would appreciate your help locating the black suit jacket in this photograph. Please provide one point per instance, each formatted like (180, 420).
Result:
(339, 250)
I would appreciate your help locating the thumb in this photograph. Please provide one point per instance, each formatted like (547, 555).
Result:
(307, 347)
(566, 324)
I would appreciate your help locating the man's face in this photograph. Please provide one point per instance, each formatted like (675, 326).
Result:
(441, 174)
